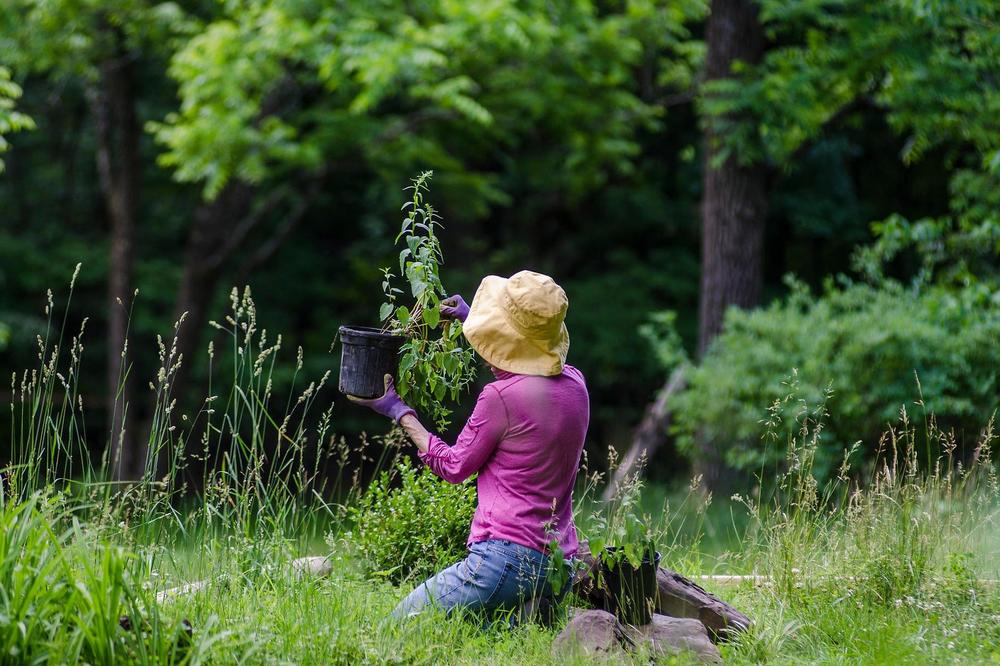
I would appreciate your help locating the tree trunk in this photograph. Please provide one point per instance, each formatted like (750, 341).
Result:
(220, 228)
(735, 196)
(118, 169)
(734, 205)
(210, 244)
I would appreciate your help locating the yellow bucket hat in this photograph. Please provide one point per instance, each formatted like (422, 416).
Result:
(516, 323)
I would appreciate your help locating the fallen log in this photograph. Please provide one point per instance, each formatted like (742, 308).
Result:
(676, 597)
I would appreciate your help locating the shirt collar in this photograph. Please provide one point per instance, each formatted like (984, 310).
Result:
(502, 374)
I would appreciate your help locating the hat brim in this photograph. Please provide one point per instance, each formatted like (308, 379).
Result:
(494, 337)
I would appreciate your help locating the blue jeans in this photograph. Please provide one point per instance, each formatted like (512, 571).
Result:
(497, 575)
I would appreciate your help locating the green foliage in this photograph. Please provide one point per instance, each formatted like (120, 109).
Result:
(660, 333)
(430, 368)
(64, 597)
(272, 86)
(953, 253)
(864, 351)
(920, 64)
(10, 120)
(411, 531)
(619, 531)
(67, 40)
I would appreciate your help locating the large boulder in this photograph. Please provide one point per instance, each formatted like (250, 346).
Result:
(588, 633)
(597, 632)
(665, 636)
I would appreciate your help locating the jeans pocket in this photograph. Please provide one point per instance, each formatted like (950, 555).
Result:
(503, 592)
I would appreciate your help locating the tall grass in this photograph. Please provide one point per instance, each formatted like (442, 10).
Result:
(854, 566)
(229, 493)
(884, 563)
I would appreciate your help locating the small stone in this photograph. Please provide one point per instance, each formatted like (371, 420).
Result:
(180, 590)
(665, 636)
(317, 566)
(590, 632)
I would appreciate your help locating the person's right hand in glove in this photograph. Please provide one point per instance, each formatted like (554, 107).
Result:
(454, 307)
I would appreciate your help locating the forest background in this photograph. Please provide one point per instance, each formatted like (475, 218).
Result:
(666, 162)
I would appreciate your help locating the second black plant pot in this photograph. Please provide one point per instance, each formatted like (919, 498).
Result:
(631, 591)
(366, 356)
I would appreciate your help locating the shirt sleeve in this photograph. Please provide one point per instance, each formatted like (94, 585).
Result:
(476, 443)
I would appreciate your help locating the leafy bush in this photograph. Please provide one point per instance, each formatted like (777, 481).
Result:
(412, 531)
(862, 352)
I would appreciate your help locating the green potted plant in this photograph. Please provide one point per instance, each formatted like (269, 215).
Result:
(624, 543)
(424, 352)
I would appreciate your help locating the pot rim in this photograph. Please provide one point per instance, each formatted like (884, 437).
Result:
(368, 333)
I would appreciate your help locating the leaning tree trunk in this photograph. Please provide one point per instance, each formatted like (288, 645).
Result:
(648, 437)
(734, 203)
(118, 169)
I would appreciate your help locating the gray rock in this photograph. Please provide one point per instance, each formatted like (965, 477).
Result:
(316, 566)
(589, 632)
(666, 636)
(597, 632)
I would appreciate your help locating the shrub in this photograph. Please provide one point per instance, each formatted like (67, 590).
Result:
(862, 352)
(412, 531)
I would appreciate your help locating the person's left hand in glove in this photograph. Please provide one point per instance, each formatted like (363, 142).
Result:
(389, 404)
(455, 307)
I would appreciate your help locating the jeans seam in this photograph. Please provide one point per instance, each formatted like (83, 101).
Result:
(470, 578)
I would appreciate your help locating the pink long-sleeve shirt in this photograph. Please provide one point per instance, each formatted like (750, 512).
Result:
(524, 438)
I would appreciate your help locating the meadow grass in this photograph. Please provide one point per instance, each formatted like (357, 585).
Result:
(888, 562)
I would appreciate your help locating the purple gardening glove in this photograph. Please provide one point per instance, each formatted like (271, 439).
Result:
(390, 404)
(455, 307)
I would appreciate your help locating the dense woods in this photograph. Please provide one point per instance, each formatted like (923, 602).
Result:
(654, 156)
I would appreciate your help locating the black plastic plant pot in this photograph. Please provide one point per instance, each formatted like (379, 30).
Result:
(367, 355)
(631, 591)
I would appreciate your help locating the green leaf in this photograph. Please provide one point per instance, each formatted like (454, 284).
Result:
(385, 311)
(403, 315)
(432, 316)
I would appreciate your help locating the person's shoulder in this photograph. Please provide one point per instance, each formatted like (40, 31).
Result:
(574, 373)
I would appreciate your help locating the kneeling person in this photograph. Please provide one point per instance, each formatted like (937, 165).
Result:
(524, 439)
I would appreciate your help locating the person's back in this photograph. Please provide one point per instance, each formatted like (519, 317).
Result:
(526, 487)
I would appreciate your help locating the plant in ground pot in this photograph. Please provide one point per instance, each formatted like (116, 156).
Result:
(623, 542)
(430, 367)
